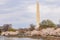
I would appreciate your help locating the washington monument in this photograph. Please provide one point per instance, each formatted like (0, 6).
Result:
(37, 15)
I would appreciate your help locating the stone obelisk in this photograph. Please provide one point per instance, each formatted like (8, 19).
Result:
(37, 15)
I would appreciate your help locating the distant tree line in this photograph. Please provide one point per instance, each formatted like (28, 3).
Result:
(44, 24)
(47, 23)
(7, 27)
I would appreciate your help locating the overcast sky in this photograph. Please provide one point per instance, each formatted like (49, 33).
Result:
(22, 13)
